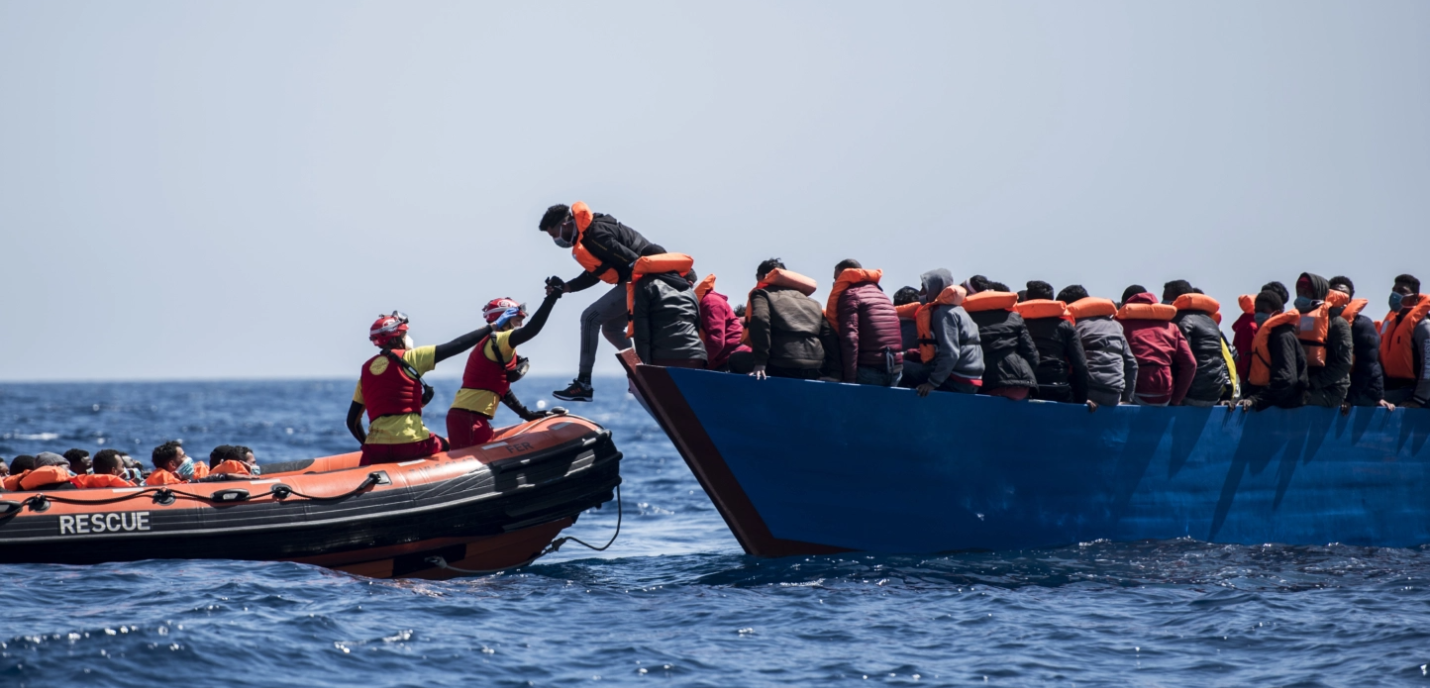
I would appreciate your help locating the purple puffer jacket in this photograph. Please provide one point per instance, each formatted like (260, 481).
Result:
(866, 326)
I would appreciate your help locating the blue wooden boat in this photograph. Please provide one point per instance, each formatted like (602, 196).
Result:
(801, 467)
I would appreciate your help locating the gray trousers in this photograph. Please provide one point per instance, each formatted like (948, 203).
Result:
(1103, 397)
(606, 316)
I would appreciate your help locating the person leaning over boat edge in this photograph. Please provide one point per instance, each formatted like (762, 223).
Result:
(1277, 376)
(393, 393)
(491, 368)
(1367, 377)
(607, 251)
(1405, 345)
(949, 351)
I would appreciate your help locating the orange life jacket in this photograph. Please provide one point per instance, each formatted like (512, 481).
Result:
(990, 301)
(923, 318)
(201, 470)
(1311, 329)
(846, 279)
(907, 311)
(583, 216)
(1200, 302)
(1146, 311)
(93, 480)
(1043, 308)
(778, 277)
(705, 286)
(1397, 338)
(1092, 307)
(163, 477)
(1353, 309)
(1247, 303)
(1337, 298)
(230, 466)
(44, 475)
(12, 481)
(1261, 352)
(652, 265)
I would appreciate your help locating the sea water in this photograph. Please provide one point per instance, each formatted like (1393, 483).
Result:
(673, 601)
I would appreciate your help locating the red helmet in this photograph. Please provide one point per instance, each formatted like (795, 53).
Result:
(496, 307)
(387, 328)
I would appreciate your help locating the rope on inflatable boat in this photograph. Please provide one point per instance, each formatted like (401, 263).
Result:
(441, 562)
(165, 496)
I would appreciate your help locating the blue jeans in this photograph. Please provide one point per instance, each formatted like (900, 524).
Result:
(876, 376)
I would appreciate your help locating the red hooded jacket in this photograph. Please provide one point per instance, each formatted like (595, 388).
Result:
(1165, 363)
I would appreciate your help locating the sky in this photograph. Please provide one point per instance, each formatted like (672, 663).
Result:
(236, 190)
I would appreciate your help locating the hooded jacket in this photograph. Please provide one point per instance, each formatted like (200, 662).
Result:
(956, 338)
(867, 326)
(1204, 338)
(1165, 364)
(1061, 361)
(1331, 382)
(721, 328)
(789, 330)
(1111, 367)
(614, 244)
(665, 316)
(1009, 354)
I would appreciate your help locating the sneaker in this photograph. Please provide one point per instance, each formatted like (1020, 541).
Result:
(578, 391)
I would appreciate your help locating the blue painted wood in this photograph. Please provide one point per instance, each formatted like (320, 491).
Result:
(877, 469)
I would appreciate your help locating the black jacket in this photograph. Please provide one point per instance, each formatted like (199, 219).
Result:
(1287, 387)
(1061, 362)
(788, 330)
(1009, 355)
(666, 319)
(1367, 377)
(614, 244)
(1204, 337)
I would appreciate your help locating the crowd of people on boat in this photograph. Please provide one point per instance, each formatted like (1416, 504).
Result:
(977, 336)
(1311, 346)
(76, 469)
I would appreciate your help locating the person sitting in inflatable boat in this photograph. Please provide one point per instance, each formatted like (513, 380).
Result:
(491, 368)
(108, 470)
(172, 466)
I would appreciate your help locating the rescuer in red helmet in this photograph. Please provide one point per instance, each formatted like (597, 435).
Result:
(491, 368)
(393, 392)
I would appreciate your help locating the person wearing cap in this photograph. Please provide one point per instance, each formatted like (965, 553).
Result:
(392, 392)
(607, 252)
(491, 368)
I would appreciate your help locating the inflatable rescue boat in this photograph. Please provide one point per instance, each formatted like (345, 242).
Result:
(473, 510)
(805, 467)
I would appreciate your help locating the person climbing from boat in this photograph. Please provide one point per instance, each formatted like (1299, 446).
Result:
(1326, 340)
(1062, 364)
(1009, 354)
(949, 355)
(664, 311)
(491, 368)
(1166, 366)
(865, 326)
(1199, 317)
(720, 328)
(607, 251)
(108, 471)
(1405, 345)
(1111, 367)
(172, 465)
(1244, 329)
(1277, 376)
(1367, 378)
(393, 393)
(786, 330)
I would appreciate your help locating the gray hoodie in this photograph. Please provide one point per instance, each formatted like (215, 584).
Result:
(955, 334)
(1111, 367)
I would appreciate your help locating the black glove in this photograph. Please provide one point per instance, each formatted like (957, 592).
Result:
(555, 286)
(520, 409)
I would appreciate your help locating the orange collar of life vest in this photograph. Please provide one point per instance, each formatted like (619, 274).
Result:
(1037, 309)
(990, 301)
(1092, 307)
(705, 286)
(846, 279)
(1146, 311)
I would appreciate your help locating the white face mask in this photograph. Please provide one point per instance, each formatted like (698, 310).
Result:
(407, 341)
